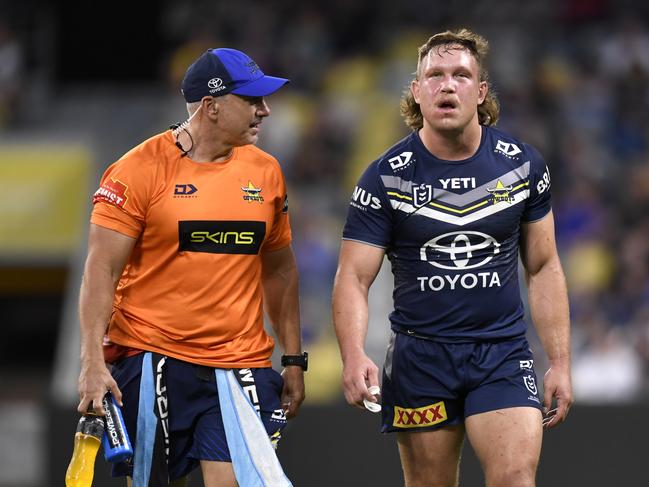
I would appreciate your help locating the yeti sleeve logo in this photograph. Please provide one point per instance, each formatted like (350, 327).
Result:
(361, 199)
(507, 148)
(401, 161)
(221, 237)
(422, 195)
(459, 248)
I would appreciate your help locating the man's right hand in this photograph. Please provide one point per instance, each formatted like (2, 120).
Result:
(94, 382)
(359, 373)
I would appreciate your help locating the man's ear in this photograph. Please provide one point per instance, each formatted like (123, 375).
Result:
(483, 89)
(211, 106)
(414, 89)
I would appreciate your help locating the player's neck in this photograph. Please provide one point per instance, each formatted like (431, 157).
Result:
(452, 145)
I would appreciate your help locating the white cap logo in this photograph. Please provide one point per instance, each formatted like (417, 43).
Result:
(214, 83)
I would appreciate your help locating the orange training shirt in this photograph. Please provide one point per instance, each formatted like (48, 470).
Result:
(191, 288)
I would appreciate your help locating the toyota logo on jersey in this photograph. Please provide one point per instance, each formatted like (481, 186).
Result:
(460, 250)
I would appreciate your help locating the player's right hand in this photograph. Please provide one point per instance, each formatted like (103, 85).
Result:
(94, 382)
(359, 373)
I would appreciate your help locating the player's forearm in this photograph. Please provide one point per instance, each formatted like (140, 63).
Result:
(95, 307)
(281, 302)
(548, 298)
(350, 313)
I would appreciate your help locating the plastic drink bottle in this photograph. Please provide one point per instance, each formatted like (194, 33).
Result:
(81, 470)
(116, 443)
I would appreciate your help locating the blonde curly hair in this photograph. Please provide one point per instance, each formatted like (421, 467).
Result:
(488, 110)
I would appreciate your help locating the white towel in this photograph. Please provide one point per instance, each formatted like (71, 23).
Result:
(254, 459)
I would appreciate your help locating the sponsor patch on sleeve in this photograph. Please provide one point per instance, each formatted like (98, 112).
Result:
(419, 417)
(113, 191)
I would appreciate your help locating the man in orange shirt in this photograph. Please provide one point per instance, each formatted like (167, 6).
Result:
(189, 243)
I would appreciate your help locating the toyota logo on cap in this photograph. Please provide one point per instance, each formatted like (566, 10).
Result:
(214, 83)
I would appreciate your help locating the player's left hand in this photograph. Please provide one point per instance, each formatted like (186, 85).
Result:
(293, 392)
(557, 385)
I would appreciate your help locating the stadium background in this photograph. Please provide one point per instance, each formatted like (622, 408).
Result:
(81, 83)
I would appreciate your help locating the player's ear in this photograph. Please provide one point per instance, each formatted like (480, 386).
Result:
(483, 89)
(414, 89)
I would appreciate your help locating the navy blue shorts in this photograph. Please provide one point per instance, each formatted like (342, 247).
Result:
(428, 384)
(186, 415)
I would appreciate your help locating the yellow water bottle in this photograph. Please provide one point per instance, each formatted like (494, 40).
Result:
(87, 439)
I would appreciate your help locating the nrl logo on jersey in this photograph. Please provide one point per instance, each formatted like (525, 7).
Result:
(250, 193)
(501, 193)
(422, 195)
(403, 160)
(508, 149)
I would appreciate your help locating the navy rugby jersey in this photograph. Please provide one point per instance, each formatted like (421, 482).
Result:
(451, 230)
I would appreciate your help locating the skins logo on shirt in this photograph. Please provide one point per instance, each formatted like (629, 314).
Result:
(419, 417)
(251, 193)
(221, 237)
(112, 191)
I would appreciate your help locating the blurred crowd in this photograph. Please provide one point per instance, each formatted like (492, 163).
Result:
(573, 80)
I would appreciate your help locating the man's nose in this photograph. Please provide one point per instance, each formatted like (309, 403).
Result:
(448, 84)
(263, 110)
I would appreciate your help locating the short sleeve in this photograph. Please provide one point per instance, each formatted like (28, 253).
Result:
(122, 199)
(280, 232)
(369, 217)
(539, 203)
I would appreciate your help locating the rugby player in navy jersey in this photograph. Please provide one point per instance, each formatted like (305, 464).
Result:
(452, 206)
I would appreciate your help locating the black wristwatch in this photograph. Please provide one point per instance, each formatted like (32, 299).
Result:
(299, 360)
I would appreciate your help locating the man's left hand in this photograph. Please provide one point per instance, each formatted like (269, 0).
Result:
(293, 392)
(556, 385)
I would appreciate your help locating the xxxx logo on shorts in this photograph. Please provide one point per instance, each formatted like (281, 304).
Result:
(419, 417)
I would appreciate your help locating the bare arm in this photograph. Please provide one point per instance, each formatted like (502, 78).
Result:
(548, 298)
(358, 266)
(108, 252)
(281, 302)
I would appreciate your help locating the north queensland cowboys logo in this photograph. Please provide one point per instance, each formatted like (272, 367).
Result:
(422, 195)
(530, 383)
(460, 250)
(501, 193)
(251, 193)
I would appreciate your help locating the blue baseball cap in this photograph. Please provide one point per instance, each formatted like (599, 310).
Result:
(221, 71)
